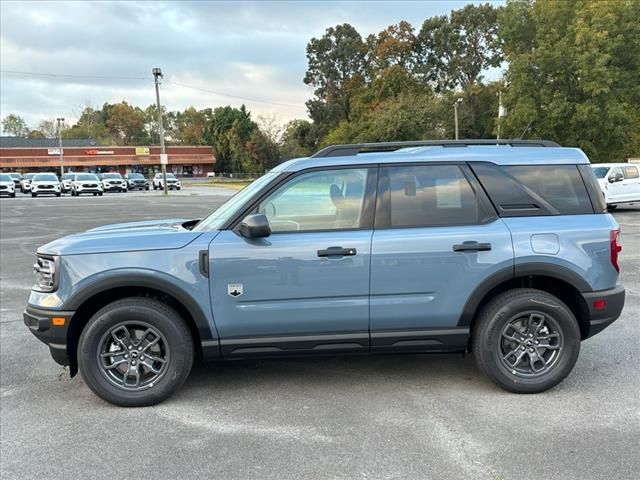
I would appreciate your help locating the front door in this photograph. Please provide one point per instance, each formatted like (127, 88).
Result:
(435, 240)
(306, 286)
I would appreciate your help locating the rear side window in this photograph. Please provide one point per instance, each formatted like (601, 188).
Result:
(529, 190)
(630, 172)
(428, 196)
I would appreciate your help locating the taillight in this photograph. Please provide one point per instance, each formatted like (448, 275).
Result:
(614, 237)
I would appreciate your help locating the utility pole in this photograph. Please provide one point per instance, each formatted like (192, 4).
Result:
(157, 74)
(455, 114)
(60, 121)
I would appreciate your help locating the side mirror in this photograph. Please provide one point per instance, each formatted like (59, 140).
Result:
(255, 226)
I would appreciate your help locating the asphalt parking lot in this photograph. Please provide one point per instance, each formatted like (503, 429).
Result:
(411, 416)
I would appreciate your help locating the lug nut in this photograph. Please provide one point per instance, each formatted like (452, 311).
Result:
(537, 342)
(130, 347)
(133, 362)
(126, 356)
(531, 350)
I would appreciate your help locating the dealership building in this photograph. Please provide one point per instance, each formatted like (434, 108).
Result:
(43, 155)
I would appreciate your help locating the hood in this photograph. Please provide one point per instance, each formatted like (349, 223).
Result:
(124, 237)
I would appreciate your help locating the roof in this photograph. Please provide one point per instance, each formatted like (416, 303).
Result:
(19, 142)
(500, 155)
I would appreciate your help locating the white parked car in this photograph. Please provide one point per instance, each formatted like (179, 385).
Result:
(113, 182)
(45, 184)
(7, 186)
(172, 182)
(25, 182)
(65, 181)
(86, 183)
(620, 182)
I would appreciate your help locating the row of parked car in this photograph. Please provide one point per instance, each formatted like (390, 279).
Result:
(80, 183)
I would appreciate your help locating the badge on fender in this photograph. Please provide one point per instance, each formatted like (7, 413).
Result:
(234, 289)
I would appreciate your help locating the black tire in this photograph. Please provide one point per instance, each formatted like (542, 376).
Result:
(100, 193)
(174, 338)
(147, 187)
(493, 328)
(177, 188)
(58, 194)
(34, 194)
(13, 195)
(95, 194)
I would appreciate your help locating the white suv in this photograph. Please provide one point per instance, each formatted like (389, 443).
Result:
(45, 184)
(7, 186)
(620, 182)
(86, 183)
(25, 182)
(172, 182)
(112, 182)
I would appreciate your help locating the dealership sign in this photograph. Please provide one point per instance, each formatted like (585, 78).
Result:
(142, 150)
(54, 151)
(98, 152)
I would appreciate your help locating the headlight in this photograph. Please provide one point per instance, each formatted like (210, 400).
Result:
(45, 273)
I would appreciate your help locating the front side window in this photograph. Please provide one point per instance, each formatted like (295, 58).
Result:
(430, 196)
(319, 200)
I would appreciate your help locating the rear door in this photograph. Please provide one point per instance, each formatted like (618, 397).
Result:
(631, 183)
(305, 288)
(436, 238)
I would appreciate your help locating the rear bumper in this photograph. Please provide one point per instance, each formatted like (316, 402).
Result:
(601, 318)
(41, 324)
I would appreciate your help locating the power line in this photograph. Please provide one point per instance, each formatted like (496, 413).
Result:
(65, 75)
(248, 99)
(117, 77)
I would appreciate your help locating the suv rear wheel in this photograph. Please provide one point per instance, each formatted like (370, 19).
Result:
(135, 352)
(526, 340)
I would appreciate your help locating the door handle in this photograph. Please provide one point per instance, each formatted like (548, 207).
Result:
(337, 252)
(471, 246)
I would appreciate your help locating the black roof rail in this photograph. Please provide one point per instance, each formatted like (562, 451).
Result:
(356, 148)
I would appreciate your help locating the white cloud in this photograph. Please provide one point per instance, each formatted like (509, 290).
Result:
(254, 50)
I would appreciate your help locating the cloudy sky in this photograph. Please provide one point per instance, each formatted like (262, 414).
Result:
(57, 57)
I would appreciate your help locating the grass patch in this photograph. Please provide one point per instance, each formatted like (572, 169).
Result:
(230, 183)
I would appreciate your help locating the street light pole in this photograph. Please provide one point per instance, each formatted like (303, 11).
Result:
(455, 114)
(157, 74)
(60, 121)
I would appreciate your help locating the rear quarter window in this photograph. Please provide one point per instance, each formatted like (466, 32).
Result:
(530, 190)
(630, 172)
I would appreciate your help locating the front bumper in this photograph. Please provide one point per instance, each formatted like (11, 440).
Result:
(601, 315)
(49, 331)
(114, 187)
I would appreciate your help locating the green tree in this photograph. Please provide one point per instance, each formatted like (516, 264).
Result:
(336, 68)
(394, 46)
(299, 139)
(227, 133)
(15, 125)
(453, 51)
(573, 73)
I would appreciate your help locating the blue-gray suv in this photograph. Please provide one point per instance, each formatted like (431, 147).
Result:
(500, 248)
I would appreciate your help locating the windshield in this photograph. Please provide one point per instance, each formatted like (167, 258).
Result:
(5, 178)
(112, 175)
(170, 175)
(15, 175)
(86, 176)
(222, 214)
(29, 176)
(68, 176)
(600, 172)
(136, 175)
(45, 177)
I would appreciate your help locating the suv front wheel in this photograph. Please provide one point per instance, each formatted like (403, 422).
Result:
(526, 340)
(135, 352)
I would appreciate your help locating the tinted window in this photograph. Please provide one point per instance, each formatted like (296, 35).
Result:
(630, 172)
(430, 195)
(112, 176)
(321, 200)
(525, 190)
(593, 187)
(600, 172)
(45, 178)
(86, 176)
